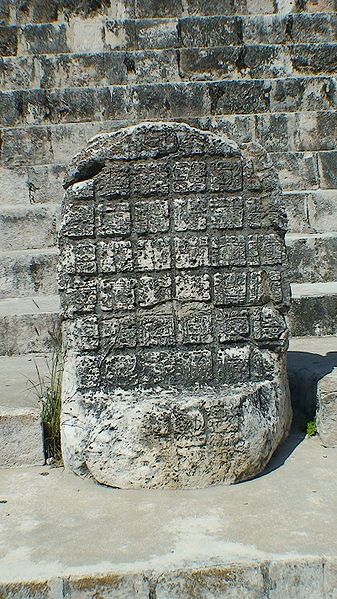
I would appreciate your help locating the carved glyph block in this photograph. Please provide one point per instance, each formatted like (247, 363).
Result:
(173, 289)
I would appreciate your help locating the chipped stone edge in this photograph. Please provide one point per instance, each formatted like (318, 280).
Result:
(270, 574)
(91, 160)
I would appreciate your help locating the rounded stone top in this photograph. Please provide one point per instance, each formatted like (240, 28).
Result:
(146, 140)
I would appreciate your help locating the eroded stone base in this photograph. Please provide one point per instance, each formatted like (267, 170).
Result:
(176, 440)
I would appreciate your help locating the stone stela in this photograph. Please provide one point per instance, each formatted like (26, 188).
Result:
(173, 290)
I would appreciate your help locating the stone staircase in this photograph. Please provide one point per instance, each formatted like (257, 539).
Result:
(257, 71)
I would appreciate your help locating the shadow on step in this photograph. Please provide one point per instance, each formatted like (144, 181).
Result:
(305, 369)
(285, 450)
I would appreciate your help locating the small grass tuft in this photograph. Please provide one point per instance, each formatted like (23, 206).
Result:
(311, 428)
(47, 388)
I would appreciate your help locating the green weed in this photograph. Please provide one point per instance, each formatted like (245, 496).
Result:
(311, 428)
(47, 388)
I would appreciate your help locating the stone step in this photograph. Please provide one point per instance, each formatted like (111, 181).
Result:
(24, 227)
(31, 185)
(38, 153)
(166, 100)
(311, 211)
(64, 11)
(28, 273)
(166, 65)
(309, 361)
(312, 257)
(27, 324)
(21, 442)
(104, 34)
(313, 309)
(298, 171)
(174, 544)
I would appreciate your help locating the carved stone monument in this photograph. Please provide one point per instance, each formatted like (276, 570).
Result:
(173, 294)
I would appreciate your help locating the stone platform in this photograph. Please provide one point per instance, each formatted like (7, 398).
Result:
(274, 536)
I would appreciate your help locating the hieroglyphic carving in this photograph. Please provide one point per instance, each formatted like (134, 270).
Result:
(172, 281)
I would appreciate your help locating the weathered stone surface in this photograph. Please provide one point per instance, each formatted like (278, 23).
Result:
(21, 437)
(117, 586)
(296, 580)
(327, 409)
(28, 273)
(233, 580)
(26, 324)
(313, 309)
(8, 41)
(27, 227)
(173, 293)
(328, 169)
(43, 39)
(311, 257)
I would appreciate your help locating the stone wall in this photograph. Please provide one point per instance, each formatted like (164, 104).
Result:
(254, 70)
(257, 71)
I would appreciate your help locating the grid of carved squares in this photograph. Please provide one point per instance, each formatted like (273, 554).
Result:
(201, 366)
(187, 246)
(181, 348)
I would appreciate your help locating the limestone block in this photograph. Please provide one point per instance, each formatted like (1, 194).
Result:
(13, 186)
(213, 31)
(21, 438)
(330, 578)
(27, 333)
(316, 314)
(208, 63)
(239, 127)
(309, 28)
(297, 170)
(260, 7)
(322, 210)
(153, 33)
(327, 409)
(327, 164)
(216, 7)
(158, 8)
(266, 61)
(5, 12)
(26, 145)
(117, 586)
(301, 94)
(86, 35)
(275, 132)
(296, 580)
(45, 183)
(18, 73)
(311, 258)
(315, 131)
(230, 97)
(119, 35)
(43, 39)
(28, 274)
(308, 58)
(271, 29)
(230, 581)
(37, 11)
(27, 227)
(173, 290)
(8, 40)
